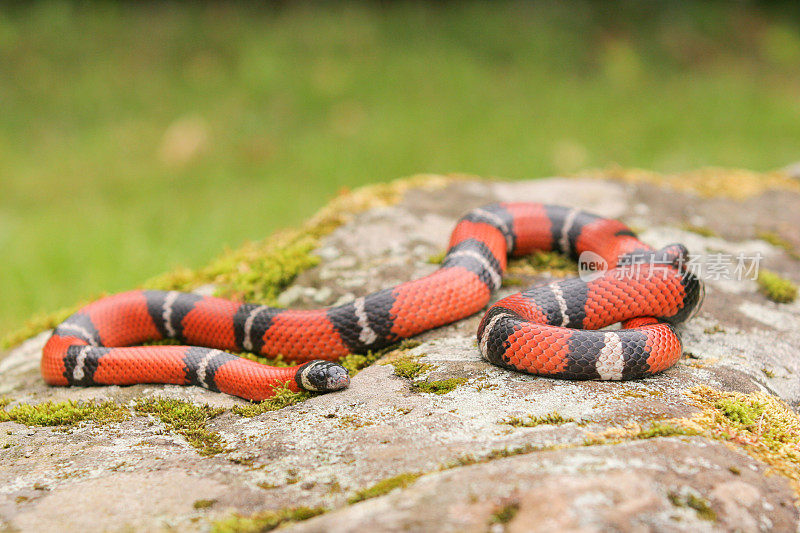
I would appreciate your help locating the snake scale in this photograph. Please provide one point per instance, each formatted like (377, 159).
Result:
(546, 330)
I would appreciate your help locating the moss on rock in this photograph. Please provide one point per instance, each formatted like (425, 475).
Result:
(354, 363)
(437, 387)
(67, 413)
(703, 231)
(553, 419)
(436, 259)
(740, 412)
(385, 486)
(284, 397)
(554, 263)
(203, 504)
(693, 501)
(776, 240)
(264, 520)
(497, 453)
(776, 288)
(505, 513)
(409, 367)
(187, 419)
(635, 431)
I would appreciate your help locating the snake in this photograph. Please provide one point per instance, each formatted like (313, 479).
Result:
(556, 329)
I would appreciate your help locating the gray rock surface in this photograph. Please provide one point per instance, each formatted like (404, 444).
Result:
(137, 474)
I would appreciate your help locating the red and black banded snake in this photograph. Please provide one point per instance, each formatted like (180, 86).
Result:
(545, 330)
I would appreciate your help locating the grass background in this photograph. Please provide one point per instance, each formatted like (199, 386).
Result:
(137, 137)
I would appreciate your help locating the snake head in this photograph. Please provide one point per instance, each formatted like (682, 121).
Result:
(322, 376)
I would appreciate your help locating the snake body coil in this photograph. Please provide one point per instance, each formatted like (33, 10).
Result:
(543, 330)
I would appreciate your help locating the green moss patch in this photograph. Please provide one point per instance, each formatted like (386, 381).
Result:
(554, 263)
(530, 421)
(505, 514)
(498, 453)
(187, 419)
(284, 397)
(702, 507)
(67, 413)
(695, 502)
(436, 259)
(384, 486)
(776, 240)
(438, 387)
(775, 287)
(700, 230)
(658, 428)
(737, 411)
(265, 520)
(513, 281)
(354, 363)
(278, 360)
(635, 431)
(409, 367)
(203, 504)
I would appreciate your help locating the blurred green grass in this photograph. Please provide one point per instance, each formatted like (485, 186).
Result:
(138, 137)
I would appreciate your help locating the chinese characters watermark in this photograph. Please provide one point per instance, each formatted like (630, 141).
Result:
(707, 267)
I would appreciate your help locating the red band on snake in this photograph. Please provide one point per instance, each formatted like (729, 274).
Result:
(544, 330)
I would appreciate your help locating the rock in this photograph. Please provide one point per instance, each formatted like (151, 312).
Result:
(447, 462)
(628, 487)
(793, 170)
